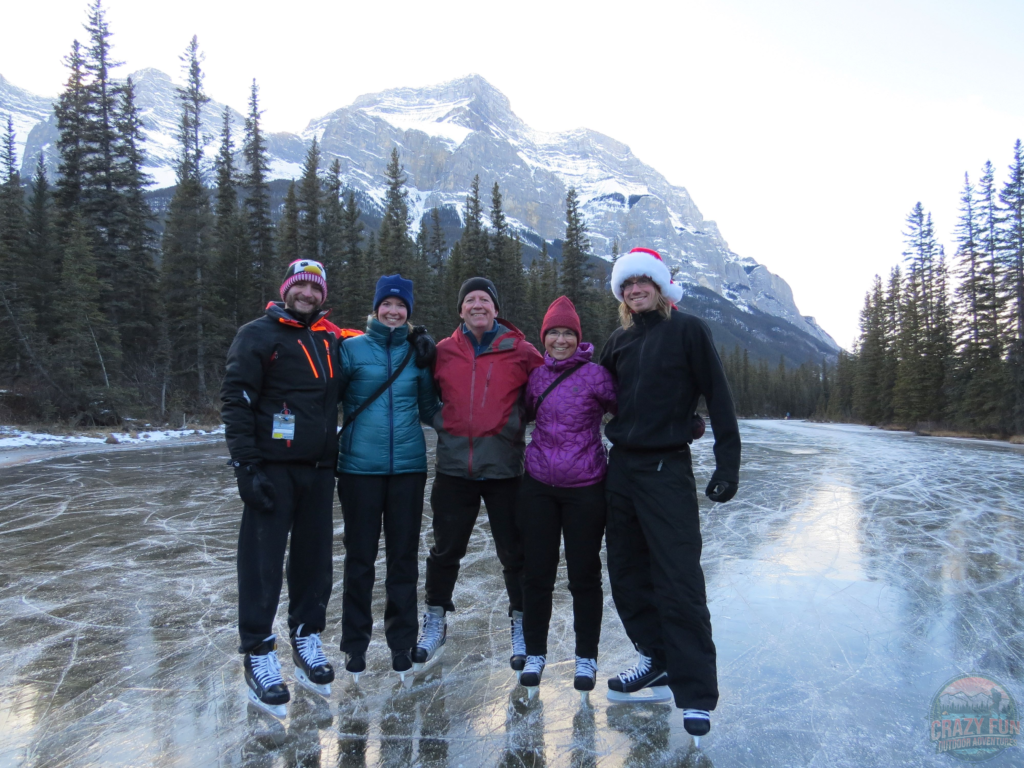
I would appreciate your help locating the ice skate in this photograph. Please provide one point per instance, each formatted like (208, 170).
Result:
(529, 678)
(518, 659)
(401, 662)
(430, 647)
(312, 670)
(355, 663)
(585, 678)
(643, 683)
(697, 723)
(265, 686)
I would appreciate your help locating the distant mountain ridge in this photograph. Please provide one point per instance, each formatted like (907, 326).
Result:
(451, 132)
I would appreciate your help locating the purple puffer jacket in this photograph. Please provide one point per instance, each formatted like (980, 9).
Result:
(565, 450)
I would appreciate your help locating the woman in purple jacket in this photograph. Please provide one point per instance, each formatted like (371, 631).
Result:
(562, 492)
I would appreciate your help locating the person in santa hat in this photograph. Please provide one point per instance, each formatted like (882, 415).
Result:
(664, 360)
(562, 492)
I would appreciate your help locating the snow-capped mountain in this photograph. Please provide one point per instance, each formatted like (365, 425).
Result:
(451, 132)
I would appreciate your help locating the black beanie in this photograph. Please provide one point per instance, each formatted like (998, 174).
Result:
(478, 284)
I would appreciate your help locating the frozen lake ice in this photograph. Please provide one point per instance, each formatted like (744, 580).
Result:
(855, 572)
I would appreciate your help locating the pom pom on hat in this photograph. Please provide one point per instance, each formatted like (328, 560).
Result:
(305, 270)
(561, 314)
(643, 262)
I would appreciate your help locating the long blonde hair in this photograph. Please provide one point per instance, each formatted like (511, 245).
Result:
(664, 307)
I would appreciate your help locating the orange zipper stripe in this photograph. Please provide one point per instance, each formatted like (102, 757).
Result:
(317, 375)
(330, 365)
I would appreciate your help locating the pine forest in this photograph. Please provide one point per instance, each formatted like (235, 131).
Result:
(102, 317)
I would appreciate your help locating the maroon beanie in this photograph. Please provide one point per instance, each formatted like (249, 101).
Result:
(561, 314)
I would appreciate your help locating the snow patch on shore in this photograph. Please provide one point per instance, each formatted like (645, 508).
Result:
(13, 437)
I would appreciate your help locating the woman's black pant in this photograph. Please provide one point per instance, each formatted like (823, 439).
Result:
(367, 502)
(545, 515)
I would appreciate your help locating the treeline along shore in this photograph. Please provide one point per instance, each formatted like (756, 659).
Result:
(101, 317)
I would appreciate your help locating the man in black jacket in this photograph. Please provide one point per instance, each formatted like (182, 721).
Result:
(664, 361)
(280, 411)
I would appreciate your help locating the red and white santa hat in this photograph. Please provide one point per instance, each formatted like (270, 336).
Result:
(643, 262)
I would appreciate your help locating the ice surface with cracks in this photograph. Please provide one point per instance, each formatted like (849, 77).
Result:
(854, 573)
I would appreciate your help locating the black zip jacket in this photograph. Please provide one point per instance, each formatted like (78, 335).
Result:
(279, 362)
(663, 367)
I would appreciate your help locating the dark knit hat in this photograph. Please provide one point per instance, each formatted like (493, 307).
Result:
(305, 270)
(393, 286)
(561, 314)
(478, 284)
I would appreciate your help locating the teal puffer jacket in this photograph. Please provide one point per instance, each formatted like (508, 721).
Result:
(386, 438)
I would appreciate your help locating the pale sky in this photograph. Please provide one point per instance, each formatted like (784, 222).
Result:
(807, 129)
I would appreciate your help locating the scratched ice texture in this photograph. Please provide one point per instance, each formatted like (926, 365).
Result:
(856, 572)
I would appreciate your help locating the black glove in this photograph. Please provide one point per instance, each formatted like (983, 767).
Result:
(721, 490)
(426, 349)
(254, 486)
(697, 427)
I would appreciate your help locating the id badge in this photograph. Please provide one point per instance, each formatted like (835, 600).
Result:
(284, 425)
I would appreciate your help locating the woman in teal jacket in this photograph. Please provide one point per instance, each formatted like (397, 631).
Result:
(382, 471)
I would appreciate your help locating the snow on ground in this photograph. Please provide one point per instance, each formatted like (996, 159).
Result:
(13, 437)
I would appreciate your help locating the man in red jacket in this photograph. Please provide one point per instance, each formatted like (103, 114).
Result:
(481, 371)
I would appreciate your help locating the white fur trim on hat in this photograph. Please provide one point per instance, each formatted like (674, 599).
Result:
(645, 262)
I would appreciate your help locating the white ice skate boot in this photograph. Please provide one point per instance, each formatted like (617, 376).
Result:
(641, 683)
(585, 678)
(518, 659)
(430, 647)
(312, 670)
(529, 678)
(266, 689)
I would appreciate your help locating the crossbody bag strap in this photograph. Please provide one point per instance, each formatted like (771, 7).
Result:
(556, 382)
(383, 387)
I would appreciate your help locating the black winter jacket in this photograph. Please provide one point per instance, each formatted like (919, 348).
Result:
(663, 367)
(278, 362)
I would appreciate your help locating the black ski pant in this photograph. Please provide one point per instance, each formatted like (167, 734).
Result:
(455, 502)
(545, 515)
(303, 506)
(367, 503)
(654, 547)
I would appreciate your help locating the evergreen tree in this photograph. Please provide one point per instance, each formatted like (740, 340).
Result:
(575, 250)
(310, 197)
(288, 228)
(85, 344)
(41, 247)
(266, 269)
(233, 270)
(473, 251)
(70, 112)
(393, 243)
(507, 264)
(17, 330)
(356, 272)
(868, 402)
(188, 248)
(333, 215)
(1012, 198)
(134, 277)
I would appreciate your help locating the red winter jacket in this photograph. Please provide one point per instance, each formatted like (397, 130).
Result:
(481, 427)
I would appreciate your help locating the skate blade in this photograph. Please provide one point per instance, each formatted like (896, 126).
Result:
(280, 711)
(696, 741)
(585, 698)
(309, 685)
(417, 668)
(657, 694)
(532, 691)
(355, 677)
(519, 674)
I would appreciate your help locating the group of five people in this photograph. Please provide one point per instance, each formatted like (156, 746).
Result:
(289, 371)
